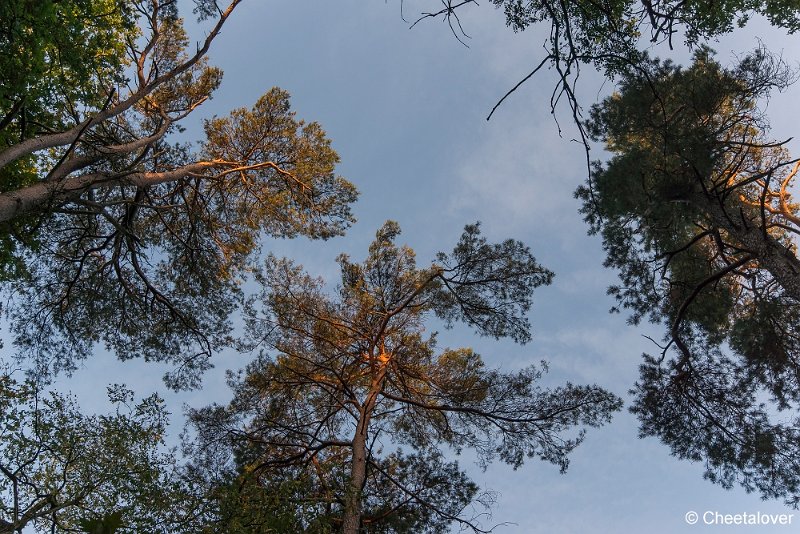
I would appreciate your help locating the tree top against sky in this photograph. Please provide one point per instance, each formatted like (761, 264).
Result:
(345, 378)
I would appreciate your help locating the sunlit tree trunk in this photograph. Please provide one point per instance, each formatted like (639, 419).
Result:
(358, 467)
(780, 261)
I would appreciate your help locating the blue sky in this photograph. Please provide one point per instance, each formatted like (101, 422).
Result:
(406, 111)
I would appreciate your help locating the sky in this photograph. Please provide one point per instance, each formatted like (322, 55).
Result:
(406, 109)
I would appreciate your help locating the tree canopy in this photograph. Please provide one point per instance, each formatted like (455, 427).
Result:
(64, 471)
(115, 231)
(696, 213)
(350, 396)
(110, 230)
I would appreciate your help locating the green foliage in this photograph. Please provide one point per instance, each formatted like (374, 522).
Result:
(108, 524)
(54, 54)
(291, 500)
(69, 471)
(261, 506)
(611, 35)
(608, 32)
(605, 32)
(54, 58)
(343, 379)
(696, 215)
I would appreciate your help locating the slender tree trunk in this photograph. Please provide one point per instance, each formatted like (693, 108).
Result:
(358, 474)
(358, 467)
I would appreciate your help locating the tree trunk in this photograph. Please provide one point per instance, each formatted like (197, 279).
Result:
(358, 467)
(772, 255)
(358, 474)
